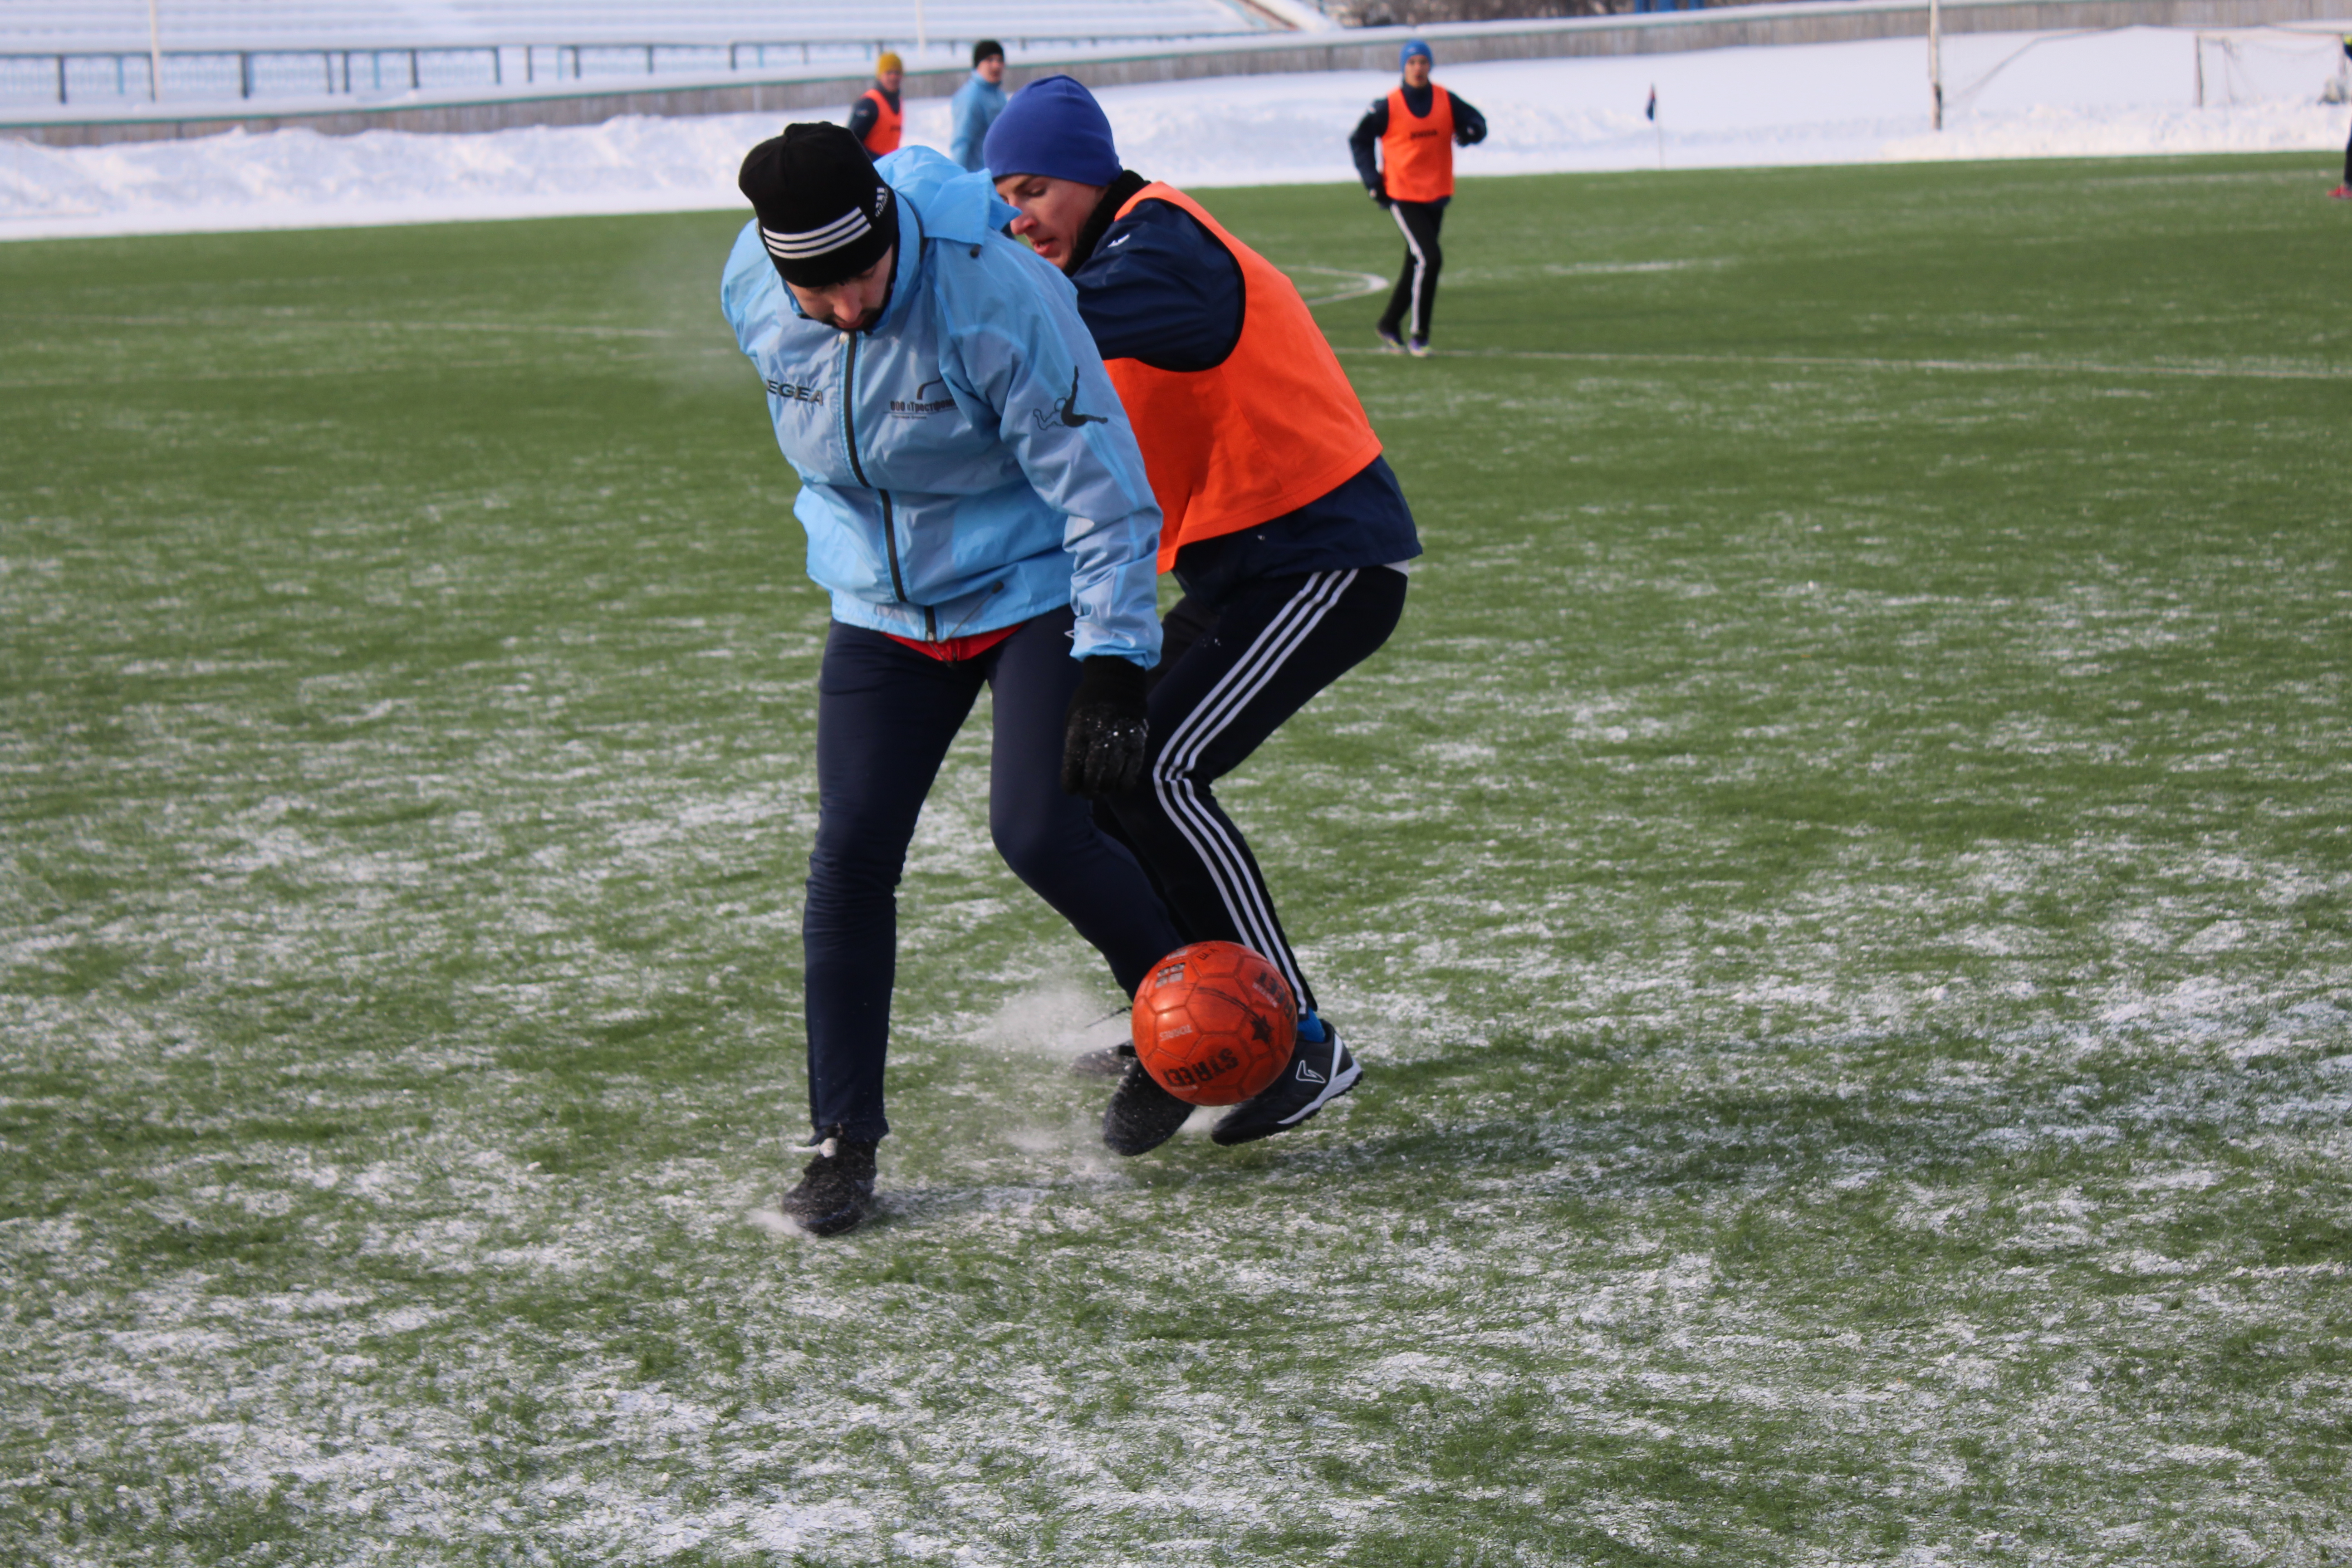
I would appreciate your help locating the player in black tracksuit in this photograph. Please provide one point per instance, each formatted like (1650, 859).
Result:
(1405, 322)
(1159, 287)
(1272, 612)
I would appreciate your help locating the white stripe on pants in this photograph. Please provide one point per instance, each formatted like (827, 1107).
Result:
(1244, 897)
(1420, 270)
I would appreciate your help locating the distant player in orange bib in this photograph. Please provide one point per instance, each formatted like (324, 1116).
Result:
(875, 118)
(1416, 128)
(1280, 520)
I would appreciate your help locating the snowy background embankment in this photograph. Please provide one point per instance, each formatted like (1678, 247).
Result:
(2119, 92)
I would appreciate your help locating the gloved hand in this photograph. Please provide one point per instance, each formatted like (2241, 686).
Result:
(1103, 737)
(1379, 194)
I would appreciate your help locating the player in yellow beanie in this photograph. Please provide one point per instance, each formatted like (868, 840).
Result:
(875, 118)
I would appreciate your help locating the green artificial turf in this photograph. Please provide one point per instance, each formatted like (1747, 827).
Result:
(1843, 884)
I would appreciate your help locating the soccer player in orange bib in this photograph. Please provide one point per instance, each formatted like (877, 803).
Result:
(875, 118)
(1280, 520)
(1416, 128)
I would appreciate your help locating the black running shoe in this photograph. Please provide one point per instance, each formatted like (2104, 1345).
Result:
(837, 1187)
(1141, 1115)
(1109, 1062)
(1318, 1074)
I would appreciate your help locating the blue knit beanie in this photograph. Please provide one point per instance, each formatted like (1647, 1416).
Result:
(1053, 127)
(1414, 47)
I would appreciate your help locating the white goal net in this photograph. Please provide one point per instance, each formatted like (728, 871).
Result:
(2269, 65)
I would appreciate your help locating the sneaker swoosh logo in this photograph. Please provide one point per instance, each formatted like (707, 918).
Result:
(1309, 1075)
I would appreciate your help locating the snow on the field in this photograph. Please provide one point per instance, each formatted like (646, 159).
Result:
(2117, 92)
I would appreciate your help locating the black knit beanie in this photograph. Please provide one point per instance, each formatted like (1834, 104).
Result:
(825, 214)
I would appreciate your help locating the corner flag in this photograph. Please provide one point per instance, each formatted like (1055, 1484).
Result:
(1652, 111)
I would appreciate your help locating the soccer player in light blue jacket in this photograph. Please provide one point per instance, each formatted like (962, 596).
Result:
(976, 103)
(977, 506)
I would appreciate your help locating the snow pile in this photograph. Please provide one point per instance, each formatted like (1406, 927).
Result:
(2124, 91)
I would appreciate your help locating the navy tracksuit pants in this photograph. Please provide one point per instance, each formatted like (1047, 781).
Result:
(1413, 301)
(885, 716)
(1227, 679)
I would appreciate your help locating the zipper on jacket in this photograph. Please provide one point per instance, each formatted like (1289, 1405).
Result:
(889, 520)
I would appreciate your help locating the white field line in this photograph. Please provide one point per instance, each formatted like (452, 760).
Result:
(277, 373)
(1855, 361)
(551, 328)
(1357, 286)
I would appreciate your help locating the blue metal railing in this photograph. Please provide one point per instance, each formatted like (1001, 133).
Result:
(214, 75)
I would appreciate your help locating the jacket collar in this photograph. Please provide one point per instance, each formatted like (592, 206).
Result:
(1116, 194)
(906, 268)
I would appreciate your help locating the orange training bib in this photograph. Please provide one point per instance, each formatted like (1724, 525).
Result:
(883, 137)
(1272, 428)
(1417, 155)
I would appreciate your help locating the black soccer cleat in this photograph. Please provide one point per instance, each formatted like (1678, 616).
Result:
(837, 1187)
(1141, 1115)
(1109, 1062)
(1320, 1071)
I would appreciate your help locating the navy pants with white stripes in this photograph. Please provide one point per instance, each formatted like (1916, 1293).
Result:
(885, 715)
(1416, 296)
(1227, 681)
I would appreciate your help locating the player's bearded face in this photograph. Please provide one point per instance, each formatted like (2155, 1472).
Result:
(1051, 212)
(853, 304)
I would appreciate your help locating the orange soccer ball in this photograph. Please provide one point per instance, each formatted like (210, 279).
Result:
(1214, 1023)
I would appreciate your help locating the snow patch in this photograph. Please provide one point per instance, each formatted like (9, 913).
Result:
(2124, 92)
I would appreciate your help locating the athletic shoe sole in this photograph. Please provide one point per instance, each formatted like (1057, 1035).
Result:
(1109, 1062)
(833, 1224)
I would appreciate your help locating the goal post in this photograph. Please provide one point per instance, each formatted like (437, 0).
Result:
(1936, 65)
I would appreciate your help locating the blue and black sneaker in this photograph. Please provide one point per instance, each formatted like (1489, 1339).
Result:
(1391, 343)
(1320, 1071)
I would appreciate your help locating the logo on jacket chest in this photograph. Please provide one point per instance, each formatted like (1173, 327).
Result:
(920, 406)
(792, 392)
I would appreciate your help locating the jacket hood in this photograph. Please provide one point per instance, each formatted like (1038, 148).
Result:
(954, 205)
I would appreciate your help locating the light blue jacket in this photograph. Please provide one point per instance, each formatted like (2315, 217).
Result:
(964, 464)
(972, 109)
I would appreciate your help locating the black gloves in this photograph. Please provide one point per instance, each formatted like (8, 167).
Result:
(1379, 194)
(1104, 738)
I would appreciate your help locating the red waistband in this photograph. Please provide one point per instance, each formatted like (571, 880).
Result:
(955, 650)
